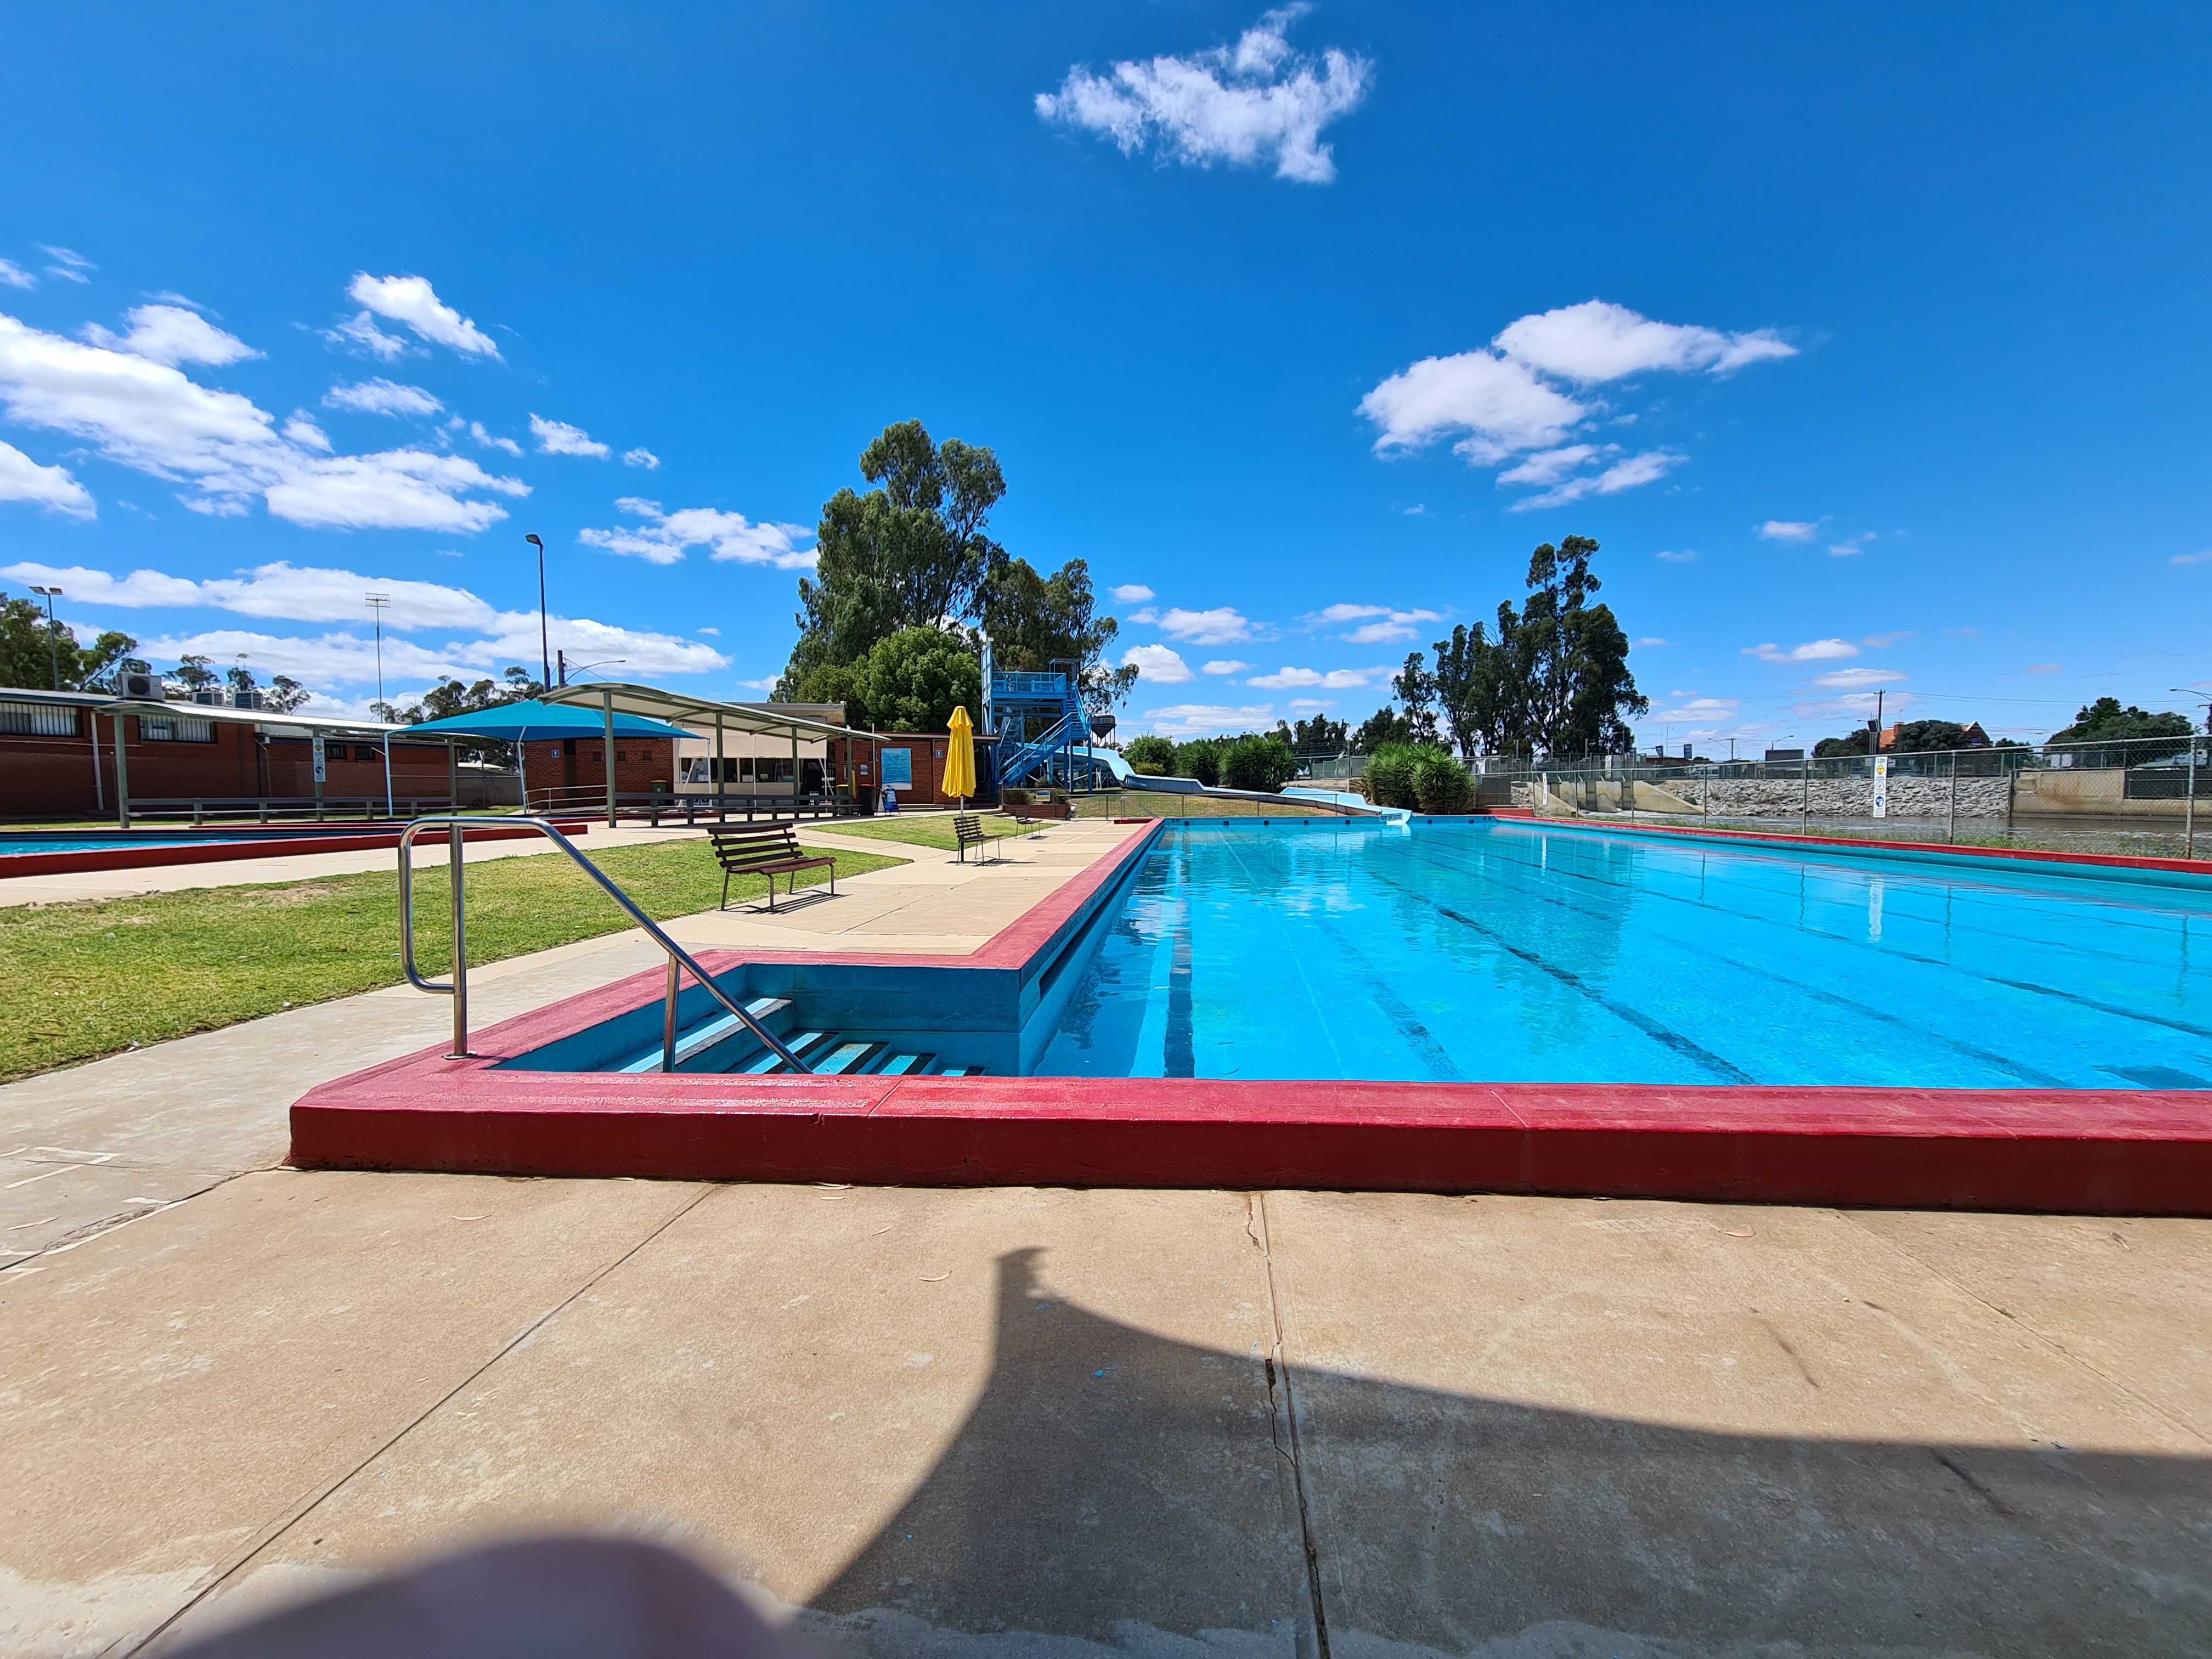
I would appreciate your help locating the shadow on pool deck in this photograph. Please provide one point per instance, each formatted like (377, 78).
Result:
(1113, 1487)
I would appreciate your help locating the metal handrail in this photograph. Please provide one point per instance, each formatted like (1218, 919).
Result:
(457, 987)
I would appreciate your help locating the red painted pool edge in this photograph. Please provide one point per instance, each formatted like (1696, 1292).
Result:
(218, 852)
(2118, 1152)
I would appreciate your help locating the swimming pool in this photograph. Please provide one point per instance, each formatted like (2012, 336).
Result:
(21, 846)
(1504, 951)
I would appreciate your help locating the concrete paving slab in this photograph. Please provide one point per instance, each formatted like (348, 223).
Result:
(1646, 1427)
(2128, 1297)
(177, 1391)
(927, 1416)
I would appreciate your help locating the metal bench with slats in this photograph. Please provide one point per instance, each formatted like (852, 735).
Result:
(769, 850)
(968, 831)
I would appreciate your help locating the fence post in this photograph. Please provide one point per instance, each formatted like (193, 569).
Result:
(1953, 831)
(2189, 809)
(1805, 800)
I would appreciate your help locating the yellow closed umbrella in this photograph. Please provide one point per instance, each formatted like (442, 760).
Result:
(960, 758)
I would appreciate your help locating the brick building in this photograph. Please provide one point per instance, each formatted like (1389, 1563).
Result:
(53, 763)
(573, 771)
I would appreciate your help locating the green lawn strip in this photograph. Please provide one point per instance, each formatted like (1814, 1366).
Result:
(924, 831)
(83, 980)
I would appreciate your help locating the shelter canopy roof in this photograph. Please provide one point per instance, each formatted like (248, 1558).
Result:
(652, 703)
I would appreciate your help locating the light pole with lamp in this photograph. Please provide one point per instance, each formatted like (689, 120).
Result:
(544, 652)
(378, 604)
(53, 632)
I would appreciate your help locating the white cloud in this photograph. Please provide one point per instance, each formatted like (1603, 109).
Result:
(382, 396)
(1201, 719)
(1597, 341)
(1384, 626)
(359, 333)
(711, 632)
(302, 430)
(1229, 665)
(2204, 557)
(23, 479)
(151, 418)
(1883, 641)
(1548, 466)
(349, 658)
(72, 264)
(396, 490)
(642, 457)
(1654, 640)
(1644, 469)
(1852, 548)
(1335, 679)
(1851, 679)
(1502, 406)
(1684, 556)
(559, 438)
(1221, 626)
(1257, 102)
(275, 591)
(734, 537)
(1130, 593)
(173, 335)
(1812, 651)
(1297, 703)
(1161, 665)
(14, 276)
(2044, 668)
(1789, 529)
(1683, 708)
(1502, 400)
(410, 301)
(492, 440)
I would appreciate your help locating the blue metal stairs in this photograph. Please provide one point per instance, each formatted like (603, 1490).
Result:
(722, 1044)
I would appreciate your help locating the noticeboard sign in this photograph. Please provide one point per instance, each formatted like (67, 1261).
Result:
(898, 769)
(322, 769)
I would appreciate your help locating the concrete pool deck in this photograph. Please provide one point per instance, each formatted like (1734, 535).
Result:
(1079, 1424)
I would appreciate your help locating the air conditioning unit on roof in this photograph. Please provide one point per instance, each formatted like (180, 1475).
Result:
(138, 688)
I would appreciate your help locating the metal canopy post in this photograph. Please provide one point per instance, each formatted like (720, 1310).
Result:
(453, 773)
(794, 774)
(722, 780)
(607, 703)
(122, 778)
(390, 810)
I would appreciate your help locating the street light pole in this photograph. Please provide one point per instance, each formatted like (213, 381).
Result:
(544, 649)
(53, 633)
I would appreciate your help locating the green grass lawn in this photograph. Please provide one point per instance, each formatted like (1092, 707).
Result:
(929, 830)
(83, 979)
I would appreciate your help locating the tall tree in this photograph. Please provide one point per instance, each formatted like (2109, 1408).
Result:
(1416, 689)
(1385, 726)
(1036, 621)
(31, 653)
(910, 553)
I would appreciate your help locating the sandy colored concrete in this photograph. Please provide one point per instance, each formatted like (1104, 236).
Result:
(1091, 1424)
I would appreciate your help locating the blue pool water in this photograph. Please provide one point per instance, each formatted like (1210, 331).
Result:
(12, 845)
(1510, 952)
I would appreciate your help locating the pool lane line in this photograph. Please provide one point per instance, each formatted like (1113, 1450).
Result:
(1665, 1035)
(1991, 1058)
(1421, 1039)
(1902, 953)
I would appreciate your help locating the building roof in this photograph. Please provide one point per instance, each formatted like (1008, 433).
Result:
(767, 718)
(276, 726)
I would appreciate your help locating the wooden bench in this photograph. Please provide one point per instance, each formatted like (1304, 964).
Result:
(767, 849)
(968, 830)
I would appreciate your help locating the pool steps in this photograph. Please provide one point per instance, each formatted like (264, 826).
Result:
(723, 1044)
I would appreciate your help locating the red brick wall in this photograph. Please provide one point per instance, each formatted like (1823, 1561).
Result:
(927, 750)
(641, 764)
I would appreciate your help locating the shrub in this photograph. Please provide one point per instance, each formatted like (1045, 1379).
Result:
(1262, 764)
(1154, 757)
(1200, 759)
(1016, 798)
(1390, 775)
(1441, 784)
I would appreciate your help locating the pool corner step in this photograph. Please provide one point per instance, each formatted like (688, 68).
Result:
(775, 1013)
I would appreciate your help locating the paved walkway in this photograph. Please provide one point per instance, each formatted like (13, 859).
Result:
(1081, 1424)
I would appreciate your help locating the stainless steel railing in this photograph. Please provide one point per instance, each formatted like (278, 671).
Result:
(457, 988)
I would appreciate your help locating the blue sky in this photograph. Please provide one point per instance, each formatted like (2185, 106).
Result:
(1870, 343)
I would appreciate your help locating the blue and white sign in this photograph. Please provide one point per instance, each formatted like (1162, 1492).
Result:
(1882, 786)
(898, 769)
(322, 770)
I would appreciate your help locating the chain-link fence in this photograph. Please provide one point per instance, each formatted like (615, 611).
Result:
(2146, 796)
